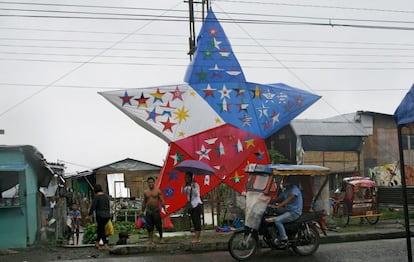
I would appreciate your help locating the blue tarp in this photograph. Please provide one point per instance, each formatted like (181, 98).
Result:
(405, 111)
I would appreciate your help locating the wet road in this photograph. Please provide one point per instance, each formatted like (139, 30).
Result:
(364, 251)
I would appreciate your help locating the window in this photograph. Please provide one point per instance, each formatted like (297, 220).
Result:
(408, 142)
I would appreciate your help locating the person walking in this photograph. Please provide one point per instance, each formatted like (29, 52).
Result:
(100, 205)
(192, 189)
(153, 200)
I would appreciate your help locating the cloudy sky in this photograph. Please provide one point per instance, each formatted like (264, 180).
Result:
(55, 56)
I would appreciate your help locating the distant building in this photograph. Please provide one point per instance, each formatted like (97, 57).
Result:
(347, 144)
(135, 175)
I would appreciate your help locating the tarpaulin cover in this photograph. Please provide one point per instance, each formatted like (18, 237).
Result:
(332, 143)
(405, 111)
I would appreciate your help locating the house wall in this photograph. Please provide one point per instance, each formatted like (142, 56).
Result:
(381, 147)
(136, 181)
(338, 162)
(19, 220)
(409, 154)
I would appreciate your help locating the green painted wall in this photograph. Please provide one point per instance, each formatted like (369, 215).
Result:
(18, 224)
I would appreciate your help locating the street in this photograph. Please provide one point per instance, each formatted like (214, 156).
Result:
(366, 251)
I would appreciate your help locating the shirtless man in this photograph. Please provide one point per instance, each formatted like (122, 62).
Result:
(151, 208)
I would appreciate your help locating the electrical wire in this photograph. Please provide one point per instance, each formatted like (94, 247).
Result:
(317, 6)
(72, 70)
(165, 18)
(117, 87)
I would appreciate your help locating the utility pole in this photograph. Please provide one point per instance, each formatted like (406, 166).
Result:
(191, 38)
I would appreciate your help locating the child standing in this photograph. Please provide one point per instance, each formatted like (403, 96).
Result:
(75, 219)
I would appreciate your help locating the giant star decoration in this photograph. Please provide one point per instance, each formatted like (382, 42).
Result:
(216, 116)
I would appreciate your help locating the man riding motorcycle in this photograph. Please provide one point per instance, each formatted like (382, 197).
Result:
(288, 207)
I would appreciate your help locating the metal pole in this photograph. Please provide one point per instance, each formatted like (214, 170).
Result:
(191, 39)
(404, 195)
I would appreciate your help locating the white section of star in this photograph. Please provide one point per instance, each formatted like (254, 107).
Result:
(263, 111)
(224, 106)
(282, 98)
(207, 180)
(175, 157)
(247, 120)
(239, 146)
(221, 149)
(216, 43)
(269, 96)
(211, 141)
(215, 68)
(225, 92)
(275, 118)
(203, 153)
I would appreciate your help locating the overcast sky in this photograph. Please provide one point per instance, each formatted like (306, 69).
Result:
(358, 55)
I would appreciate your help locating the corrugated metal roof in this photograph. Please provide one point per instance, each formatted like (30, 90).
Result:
(43, 172)
(128, 164)
(327, 127)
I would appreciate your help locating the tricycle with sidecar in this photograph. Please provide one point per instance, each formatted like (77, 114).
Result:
(356, 199)
(263, 184)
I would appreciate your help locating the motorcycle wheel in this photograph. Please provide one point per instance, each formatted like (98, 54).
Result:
(242, 245)
(307, 242)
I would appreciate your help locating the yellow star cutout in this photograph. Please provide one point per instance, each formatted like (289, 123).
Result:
(181, 114)
(181, 134)
(237, 178)
(218, 121)
(249, 142)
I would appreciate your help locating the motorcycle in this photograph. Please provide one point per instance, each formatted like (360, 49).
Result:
(260, 229)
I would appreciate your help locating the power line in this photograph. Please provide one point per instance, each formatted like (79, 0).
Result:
(181, 50)
(166, 18)
(92, 6)
(178, 35)
(231, 1)
(236, 21)
(154, 58)
(71, 71)
(244, 59)
(175, 36)
(318, 6)
(120, 88)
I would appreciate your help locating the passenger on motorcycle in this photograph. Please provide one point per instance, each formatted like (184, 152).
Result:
(288, 206)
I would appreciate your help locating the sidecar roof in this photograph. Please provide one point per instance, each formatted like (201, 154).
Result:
(286, 170)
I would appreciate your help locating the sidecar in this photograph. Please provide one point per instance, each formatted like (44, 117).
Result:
(357, 200)
(263, 185)
(265, 181)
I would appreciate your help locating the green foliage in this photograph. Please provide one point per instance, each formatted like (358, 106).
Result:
(89, 235)
(394, 213)
(276, 157)
(128, 227)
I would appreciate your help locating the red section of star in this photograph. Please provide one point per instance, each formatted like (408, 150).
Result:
(168, 125)
(142, 101)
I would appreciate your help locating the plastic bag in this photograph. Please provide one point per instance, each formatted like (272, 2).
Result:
(168, 223)
(140, 223)
(109, 228)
